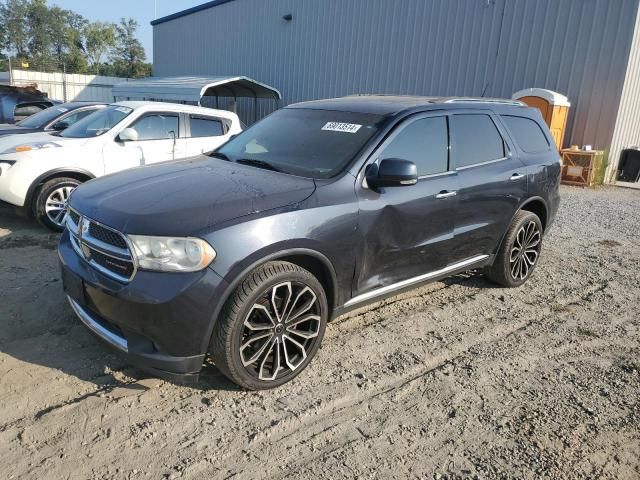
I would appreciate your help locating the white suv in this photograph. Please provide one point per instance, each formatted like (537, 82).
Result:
(38, 171)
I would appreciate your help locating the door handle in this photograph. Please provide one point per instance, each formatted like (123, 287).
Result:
(516, 176)
(445, 194)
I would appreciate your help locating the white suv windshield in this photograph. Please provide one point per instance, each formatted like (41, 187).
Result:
(97, 123)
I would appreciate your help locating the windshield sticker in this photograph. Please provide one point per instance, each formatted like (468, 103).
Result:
(123, 109)
(341, 127)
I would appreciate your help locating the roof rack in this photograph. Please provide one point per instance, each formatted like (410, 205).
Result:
(498, 101)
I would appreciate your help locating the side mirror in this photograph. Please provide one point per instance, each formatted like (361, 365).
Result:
(58, 127)
(128, 135)
(392, 172)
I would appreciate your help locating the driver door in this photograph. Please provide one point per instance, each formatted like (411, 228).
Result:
(407, 229)
(158, 134)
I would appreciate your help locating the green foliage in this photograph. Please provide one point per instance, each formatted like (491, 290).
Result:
(52, 39)
(600, 168)
(100, 38)
(128, 55)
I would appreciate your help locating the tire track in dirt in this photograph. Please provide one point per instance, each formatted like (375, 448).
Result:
(302, 428)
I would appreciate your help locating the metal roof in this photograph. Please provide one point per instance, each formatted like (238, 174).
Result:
(192, 89)
(189, 11)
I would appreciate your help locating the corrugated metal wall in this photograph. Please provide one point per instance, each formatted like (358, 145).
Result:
(428, 47)
(627, 126)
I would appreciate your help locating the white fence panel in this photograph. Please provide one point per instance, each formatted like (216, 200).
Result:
(66, 87)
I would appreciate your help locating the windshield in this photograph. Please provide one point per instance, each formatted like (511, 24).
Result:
(97, 123)
(40, 119)
(306, 142)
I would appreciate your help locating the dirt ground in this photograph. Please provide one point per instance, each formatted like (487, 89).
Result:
(459, 379)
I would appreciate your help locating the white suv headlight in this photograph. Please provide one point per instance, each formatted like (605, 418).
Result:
(27, 147)
(170, 254)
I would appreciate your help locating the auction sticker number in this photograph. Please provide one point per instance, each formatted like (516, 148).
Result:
(341, 127)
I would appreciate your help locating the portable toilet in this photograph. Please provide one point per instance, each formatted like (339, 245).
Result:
(553, 106)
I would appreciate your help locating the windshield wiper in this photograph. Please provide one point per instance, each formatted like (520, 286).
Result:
(219, 155)
(258, 163)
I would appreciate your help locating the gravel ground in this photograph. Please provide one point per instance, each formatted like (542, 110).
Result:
(458, 379)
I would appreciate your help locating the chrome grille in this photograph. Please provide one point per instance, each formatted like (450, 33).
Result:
(107, 236)
(104, 248)
(74, 216)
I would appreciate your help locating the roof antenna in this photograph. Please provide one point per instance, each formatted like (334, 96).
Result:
(485, 90)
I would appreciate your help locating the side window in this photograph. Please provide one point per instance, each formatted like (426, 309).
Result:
(157, 126)
(527, 134)
(205, 127)
(475, 139)
(26, 110)
(424, 142)
(71, 119)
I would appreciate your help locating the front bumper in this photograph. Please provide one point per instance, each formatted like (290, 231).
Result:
(161, 321)
(12, 185)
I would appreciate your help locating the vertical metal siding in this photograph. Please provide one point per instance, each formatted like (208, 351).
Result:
(627, 126)
(427, 47)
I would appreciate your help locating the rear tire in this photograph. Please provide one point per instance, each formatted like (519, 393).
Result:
(519, 252)
(51, 202)
(271, 327)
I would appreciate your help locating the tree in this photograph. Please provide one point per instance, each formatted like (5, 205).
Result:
(50, 38)
(66, 32)
(99, 40)
(40, 40)
(128, 54)
(13, 23)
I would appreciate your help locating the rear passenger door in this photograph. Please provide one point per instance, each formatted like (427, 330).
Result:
(205, 134)
(492, 181)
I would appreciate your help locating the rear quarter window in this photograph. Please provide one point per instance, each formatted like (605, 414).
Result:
(527, 134)
(205, 127)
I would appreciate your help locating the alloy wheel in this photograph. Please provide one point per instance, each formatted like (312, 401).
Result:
(280, 330)
(525, 250)
(56, 205)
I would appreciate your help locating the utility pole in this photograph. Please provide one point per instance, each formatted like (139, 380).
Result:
(10, 72)
(64, 81)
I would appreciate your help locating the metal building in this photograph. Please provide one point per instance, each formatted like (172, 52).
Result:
(588, 50)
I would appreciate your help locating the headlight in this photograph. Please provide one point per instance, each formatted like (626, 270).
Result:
(27, 147)
(169, 254)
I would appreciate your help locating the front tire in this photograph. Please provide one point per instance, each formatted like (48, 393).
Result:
(51, 202)
(271, 327)
(519, 252)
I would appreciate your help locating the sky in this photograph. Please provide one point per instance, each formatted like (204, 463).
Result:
(141, 10)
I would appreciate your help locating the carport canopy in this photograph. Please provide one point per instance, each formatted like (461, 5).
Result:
(192, 89)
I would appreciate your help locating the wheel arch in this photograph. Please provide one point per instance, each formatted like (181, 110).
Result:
(312, 260)
(77, 173)
(535, 205)
(538, 206)
(315, 262)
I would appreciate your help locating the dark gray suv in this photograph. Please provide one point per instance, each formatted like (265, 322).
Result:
(324, 206)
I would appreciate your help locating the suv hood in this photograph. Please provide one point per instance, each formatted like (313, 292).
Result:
(9, 142)
(10, 129)
(183, 197)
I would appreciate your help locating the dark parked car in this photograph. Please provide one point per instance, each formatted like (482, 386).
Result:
(18, 103)
(56, 118)
(322, 207)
